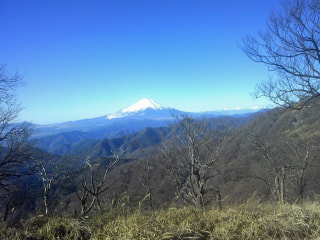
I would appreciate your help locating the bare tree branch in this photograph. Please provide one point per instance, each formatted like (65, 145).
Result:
(290, 48)
(194, 159)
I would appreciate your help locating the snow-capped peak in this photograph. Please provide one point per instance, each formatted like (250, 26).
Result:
(142, 105)
(137, 107)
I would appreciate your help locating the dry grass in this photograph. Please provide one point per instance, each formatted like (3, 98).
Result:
(247, 221)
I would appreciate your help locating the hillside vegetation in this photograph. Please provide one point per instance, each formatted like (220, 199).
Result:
(262, 182)
(241, 170)
(252, 220)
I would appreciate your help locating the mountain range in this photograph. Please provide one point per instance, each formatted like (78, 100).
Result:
(145, 121)
(144, 113)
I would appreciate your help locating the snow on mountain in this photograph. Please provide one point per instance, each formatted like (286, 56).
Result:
(145, 113)
(140, 106)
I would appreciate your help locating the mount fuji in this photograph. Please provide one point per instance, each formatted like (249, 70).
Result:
(61, 138)
(142, 114)
(144, 109)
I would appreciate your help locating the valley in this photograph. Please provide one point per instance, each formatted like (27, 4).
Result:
(241, 169)
(141, 170)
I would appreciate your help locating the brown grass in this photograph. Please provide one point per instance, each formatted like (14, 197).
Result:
(248, 221)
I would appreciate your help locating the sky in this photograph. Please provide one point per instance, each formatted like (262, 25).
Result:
(84, 59)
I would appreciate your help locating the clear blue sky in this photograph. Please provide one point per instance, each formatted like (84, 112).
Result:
(83, 59)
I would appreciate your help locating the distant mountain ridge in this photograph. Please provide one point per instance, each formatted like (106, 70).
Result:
(142, 114)
(82, 144)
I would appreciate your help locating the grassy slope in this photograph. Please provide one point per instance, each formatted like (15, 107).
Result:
(248, 221)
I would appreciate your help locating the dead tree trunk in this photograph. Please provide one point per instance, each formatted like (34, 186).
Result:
(46, 182)
(280, 184)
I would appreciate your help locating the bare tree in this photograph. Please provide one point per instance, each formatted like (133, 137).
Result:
(83, 195)
(290, 46)
(274, 165)
(95, 184)
(303, 154)
(146, 178)
(15, 150)
(194, 160)
(285, 164)
(47, 180)
(49, 172)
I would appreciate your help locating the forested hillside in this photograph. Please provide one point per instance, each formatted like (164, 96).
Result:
(269, 157)
(272, 155)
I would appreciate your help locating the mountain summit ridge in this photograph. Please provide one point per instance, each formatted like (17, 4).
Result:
(142, 105)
